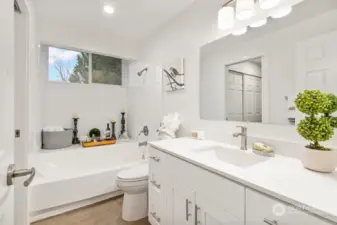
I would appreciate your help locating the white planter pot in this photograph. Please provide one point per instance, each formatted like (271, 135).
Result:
(320, 161)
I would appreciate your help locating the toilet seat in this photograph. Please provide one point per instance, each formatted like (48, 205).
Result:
(134, 174)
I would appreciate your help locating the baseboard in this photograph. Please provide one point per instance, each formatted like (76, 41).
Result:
(46, 213)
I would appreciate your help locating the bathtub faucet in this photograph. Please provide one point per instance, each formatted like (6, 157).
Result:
(145, 131)
(144, 143)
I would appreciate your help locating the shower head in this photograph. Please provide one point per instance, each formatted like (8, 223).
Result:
(140, 73)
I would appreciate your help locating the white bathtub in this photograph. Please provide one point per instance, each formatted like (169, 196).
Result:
(71, 178)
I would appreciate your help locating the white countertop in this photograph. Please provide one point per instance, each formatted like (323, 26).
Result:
(280, 177)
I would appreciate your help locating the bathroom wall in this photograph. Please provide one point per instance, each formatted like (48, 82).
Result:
(183, 37)
(96, 104)
(92, 40)
(144, 95)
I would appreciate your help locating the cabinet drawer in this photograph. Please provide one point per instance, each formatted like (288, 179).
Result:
(157, 169)
(156, 206)
(156, 157)
(263, 210)
(229, 195)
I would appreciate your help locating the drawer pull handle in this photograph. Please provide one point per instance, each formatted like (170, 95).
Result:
(270, 222)
(156, 159)
(196, 221)
(187, 210)
(154, 215)
(154, 183)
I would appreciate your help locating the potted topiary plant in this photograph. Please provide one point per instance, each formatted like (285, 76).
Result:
(317, 126)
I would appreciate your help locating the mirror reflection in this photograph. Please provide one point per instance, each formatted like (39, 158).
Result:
(256, 76)
(244, 91)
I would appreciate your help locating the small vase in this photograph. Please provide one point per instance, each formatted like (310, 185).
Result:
(320, 161)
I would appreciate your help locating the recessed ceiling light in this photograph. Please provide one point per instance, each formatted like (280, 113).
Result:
(108, 9)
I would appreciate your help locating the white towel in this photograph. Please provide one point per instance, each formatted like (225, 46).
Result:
(169, 126)
(53, 129)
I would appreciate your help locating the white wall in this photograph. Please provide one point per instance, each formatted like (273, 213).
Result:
(184, 36)
(144, 99)
(54, 103)
(96, 104)
(59, 34)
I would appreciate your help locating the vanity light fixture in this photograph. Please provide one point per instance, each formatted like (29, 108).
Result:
(268, 4)
(226, 17)
(282, 12)
(245, 9)
(259, 23)
(108, 9)
(239, 32)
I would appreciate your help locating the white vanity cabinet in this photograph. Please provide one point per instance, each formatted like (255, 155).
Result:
(264, 210)
(157, 195)
(181, 193)
(191, 195)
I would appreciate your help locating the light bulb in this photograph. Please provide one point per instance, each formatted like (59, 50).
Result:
(282, 12)
(226, 18)
(240, 31)
(259, 23)
(245, 9)
(268, 4)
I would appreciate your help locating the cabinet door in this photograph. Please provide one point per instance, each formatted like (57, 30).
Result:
(181, 203)
(263, 210)
(156, 206)
(209, 211)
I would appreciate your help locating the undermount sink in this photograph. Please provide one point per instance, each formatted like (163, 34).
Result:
(233, 156)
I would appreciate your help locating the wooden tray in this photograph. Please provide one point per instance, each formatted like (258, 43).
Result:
(98, 143)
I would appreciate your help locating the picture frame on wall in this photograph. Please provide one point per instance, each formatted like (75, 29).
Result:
(174, 75)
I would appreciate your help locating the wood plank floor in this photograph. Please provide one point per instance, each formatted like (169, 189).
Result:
(104, 213)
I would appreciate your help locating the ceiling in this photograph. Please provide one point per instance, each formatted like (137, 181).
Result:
(133, 19)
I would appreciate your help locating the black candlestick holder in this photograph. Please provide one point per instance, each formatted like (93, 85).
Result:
(123, 124)
(113, 135)
(76, 141)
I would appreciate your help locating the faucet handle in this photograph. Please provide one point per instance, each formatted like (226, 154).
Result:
(244, 127)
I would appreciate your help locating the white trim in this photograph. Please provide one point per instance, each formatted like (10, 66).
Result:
(82, 50)
(90, 69)
(44, 214)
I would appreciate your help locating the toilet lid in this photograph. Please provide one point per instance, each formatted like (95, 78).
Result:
(139, 172)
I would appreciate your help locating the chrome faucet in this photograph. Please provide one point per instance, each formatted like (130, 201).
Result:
(243, 135)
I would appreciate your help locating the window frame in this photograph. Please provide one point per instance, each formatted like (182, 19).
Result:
(90, 68)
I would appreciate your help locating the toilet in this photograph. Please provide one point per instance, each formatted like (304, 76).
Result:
(134, 183)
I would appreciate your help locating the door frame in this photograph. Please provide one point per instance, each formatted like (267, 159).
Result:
(21, 193)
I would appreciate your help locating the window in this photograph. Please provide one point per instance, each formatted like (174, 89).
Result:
(80, 67)
(68, 66)
(106, 70)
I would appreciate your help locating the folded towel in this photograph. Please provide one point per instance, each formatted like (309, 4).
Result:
(53, 129)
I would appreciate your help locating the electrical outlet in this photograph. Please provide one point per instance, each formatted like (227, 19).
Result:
(17, 134)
